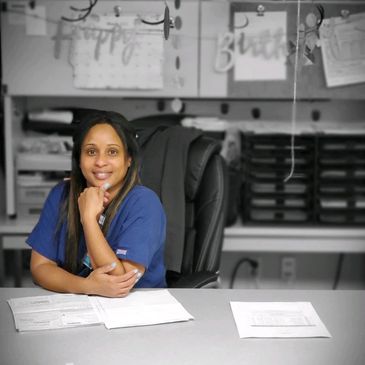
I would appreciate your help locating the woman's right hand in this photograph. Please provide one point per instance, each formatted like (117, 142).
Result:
(91, 203)
(102, 283)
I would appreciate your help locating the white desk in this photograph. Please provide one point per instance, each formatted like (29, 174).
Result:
(211, 339)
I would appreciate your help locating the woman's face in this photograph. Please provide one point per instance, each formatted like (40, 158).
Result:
(103, 158)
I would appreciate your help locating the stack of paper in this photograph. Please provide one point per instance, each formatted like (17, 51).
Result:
(48, 115)
(140, 308)
(52, 312)
(55, 311)
(211, 124)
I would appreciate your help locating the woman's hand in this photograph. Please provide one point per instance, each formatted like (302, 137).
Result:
(92, 202)
(114, 286)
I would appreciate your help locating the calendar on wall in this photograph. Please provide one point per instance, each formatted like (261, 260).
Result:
(109, 52)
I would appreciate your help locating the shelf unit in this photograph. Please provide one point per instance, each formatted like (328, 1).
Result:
(327, 187)
(294, 239)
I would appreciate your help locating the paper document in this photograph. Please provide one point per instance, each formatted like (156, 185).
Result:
(343, 52)
(140, 308)
(52, 312)
(277, 319)
(260, 46)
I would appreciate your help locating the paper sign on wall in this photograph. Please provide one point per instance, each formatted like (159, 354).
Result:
(260, 46)
(343, 49)
(111, 52)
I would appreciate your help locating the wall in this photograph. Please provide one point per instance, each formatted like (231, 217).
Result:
(313, 271)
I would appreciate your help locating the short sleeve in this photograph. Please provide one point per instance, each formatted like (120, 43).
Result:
(43, 237)
(139, 232)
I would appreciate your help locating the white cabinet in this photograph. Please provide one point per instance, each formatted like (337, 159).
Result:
(29, 169)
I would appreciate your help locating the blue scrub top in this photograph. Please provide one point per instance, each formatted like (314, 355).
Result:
(136, 233)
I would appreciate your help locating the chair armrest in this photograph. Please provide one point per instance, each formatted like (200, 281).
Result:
(197, 280)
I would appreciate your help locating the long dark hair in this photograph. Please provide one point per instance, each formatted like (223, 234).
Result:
(77, 183)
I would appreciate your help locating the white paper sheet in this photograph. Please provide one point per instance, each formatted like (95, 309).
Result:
(277, 319)
(52, 312)
(260, 47)
(48, 115)
(140, 308)
(343, 51)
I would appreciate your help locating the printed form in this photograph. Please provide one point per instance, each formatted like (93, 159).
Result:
(277, 319)
(343, 49)
(52, 312)
(139, 308)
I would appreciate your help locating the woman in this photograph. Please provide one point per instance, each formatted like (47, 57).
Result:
(100, 232)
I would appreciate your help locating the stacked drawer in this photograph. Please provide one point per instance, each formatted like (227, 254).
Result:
(267, 198)
(30, 199)
(341, 180)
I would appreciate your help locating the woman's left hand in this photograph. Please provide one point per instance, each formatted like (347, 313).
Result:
(92, 202)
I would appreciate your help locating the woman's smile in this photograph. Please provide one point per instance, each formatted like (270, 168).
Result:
(102, 175)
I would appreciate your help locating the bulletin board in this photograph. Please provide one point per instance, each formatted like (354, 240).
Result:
(42, 55)
(311, 82)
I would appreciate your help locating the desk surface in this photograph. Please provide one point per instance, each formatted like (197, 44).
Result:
(212, 338)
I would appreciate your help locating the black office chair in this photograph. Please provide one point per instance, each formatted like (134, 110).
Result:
(204, 189)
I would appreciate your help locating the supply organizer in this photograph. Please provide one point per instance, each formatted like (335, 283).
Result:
(326, 188)
(340, 187)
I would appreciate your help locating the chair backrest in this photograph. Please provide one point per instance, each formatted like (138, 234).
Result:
(204, 201)
(206, 198)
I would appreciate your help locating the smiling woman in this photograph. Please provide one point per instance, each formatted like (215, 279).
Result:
(101, 232)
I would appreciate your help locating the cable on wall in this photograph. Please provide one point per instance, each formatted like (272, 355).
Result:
(341, 258)
(87, 12)
(294, 105)
(166, 21)
(253, 265)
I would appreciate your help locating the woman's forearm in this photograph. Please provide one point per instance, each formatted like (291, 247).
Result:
(99, 282)
(98, 248)
(55, 278)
